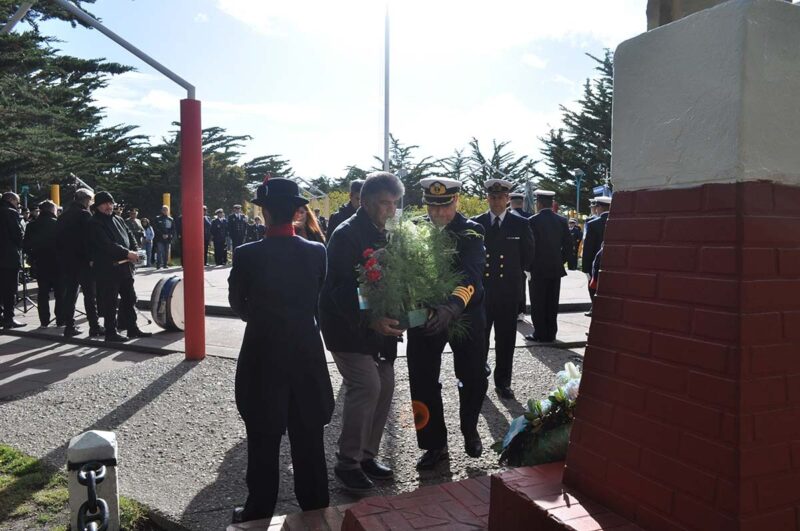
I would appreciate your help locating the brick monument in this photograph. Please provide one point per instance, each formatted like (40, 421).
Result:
(689, 412)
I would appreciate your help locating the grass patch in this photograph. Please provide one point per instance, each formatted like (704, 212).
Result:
(35, 496)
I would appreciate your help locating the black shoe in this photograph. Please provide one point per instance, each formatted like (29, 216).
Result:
(354, 480)
(240, 514)
(72, 331)
(430, 458)
(138, 333)
(97, 331)
(59, 324)
(115, 338)
(13, 323)
(473, 446)
(505, 393)
(533, 338)
(376, 470)
(588, 314)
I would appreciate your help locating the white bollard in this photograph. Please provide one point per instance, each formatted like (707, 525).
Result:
(92, 457)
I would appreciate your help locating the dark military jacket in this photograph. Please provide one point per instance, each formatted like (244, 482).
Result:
(237, 227)
(595, 231)
(11, 234)
(553, 244)
(40, 240)
(274, 286)
(344, 213)
(522, 212)
(73, 238)
(470, 261)
(110, 241)
(219, 229)
(509, 253)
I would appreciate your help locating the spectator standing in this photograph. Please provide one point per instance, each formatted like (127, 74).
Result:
(306, 225)
(577, 235)
(323, 223)
(347, 210)
(164, 227)
(595, 232)
(250, 233)
(135, 226)
(206, 234)
(219, 233)
(148, 237)
(41, 236)
(237, 226)
(11, 236)
(76, 271)
(261, 229)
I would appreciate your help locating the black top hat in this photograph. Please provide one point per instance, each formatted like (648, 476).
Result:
(278, 190)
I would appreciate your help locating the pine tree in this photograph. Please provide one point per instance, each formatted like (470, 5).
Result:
(583, 142)
(502, 164)
(403, 163)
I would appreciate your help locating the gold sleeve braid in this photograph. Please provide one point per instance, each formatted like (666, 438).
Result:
(464, 293)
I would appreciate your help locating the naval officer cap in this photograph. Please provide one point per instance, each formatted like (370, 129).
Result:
(498, 185)
(603, 200)
(516, 195)
(544, 193)
(439, 190)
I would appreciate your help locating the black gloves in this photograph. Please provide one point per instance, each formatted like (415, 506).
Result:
(443, 315)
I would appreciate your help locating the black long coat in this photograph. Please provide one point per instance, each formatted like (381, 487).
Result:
(73, 238)
(595, 231)
(110, 241)
(553, 244)
(40, 243)
(11, 232)
(274, 286)
(509, 254)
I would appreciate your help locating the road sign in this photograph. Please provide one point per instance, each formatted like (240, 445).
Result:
(24, 189)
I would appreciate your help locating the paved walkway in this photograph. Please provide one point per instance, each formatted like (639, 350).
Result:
(182, 444)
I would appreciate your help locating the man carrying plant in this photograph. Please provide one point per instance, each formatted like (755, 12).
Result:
(364, 350)
(509, 253)
(425, 344)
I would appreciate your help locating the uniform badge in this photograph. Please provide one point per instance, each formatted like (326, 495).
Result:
(438, 189)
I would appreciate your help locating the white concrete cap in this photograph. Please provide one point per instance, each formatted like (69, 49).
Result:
(712, 97)
(92, 445)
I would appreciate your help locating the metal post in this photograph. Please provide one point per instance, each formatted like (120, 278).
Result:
(92, 469)
(55, 194)
(192, 227)
(386, 94)
(166, 199)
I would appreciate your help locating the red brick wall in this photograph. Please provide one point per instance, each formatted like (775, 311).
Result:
(689, 412)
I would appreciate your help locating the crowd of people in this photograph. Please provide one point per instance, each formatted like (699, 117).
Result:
(290, 289)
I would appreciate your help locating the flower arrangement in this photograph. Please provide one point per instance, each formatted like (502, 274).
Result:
(542, 434)
(412, 273)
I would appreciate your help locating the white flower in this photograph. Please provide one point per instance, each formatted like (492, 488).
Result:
(572, 371)
(571, 389)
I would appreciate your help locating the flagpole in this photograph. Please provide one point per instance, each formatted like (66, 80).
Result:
(386, 93)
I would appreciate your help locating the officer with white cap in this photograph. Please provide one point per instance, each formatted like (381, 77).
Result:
(593, 240)
(553, 244)
(509, 253)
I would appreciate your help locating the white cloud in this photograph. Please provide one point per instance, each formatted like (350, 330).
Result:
(201, 17)
(534, 61)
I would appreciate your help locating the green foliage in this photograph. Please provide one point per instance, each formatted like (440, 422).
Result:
(404, 164)
(132, 515)
(502, 164)
(584, 140)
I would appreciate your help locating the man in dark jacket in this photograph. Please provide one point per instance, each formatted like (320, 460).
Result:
(577, 235)
(41, 236)
(426, 344)
(11, 234)
(114, 252)
(517, 204)
(364, 349)
(595, 231)
(346, 210)
(164, 228)
(219, 233)
(75, 257)
(553, 244)
(509, 253)
(206, 234)
(237, 227)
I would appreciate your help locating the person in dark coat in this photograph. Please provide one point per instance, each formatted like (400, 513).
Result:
(113, 250)
(517, 205)
(41, 236)
(426, 344)
(347, 210)
(577, 235)
(11, 235)
(364, 348)
(219, 234)
(206, 234)
(595, 231)
(553, 244)
(509, 253)
(164, 227)
(237, 227)
(282, 380)
(76, 271)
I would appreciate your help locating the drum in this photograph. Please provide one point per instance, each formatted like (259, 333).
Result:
(166, 303)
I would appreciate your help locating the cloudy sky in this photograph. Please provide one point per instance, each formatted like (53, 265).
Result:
(305, 78)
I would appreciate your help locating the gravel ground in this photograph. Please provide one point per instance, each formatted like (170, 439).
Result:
(182, 444)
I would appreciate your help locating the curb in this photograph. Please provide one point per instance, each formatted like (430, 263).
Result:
(98, 343)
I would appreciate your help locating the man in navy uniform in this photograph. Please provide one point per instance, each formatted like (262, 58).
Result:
(425, 344)
(509, 253)
(219, 233)
(518, 203)
(553, 244)
(206, 234)
(347, 210)
(595, 230)
(237, 226)
(577, 235)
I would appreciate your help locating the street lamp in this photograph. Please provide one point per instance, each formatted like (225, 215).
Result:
(579, 174)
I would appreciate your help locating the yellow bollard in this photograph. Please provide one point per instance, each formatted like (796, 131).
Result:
(165, 200)
(55, 194)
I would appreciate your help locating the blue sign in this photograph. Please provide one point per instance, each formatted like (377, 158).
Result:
(602, 190)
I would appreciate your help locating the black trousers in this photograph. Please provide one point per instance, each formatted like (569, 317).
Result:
(424, 357)
(205, 251)
(9, 279)
(117, 313)
(220, 252)
(545, 293)
(522, 299)
(572, 261)
(236, 242)
(48, 283)
(502, 314)
(263, 464)
(71, 282)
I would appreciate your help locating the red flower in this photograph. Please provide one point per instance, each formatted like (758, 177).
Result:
(368, 252)
(373, 275)
(372, 262)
